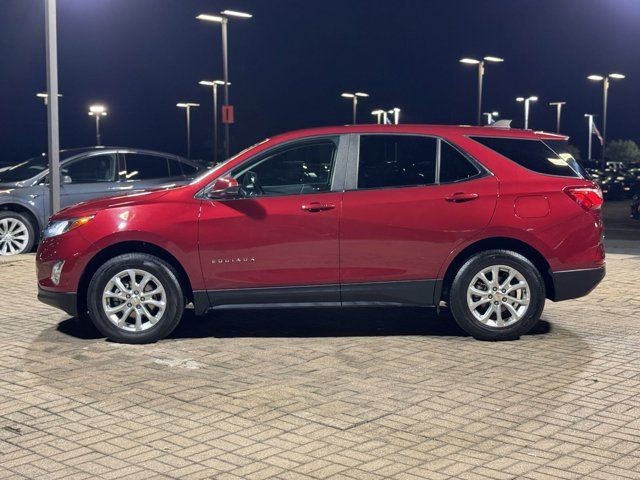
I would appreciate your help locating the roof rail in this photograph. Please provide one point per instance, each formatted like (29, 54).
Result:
(504, 123)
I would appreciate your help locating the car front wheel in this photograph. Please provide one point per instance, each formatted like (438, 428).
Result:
(497, 295)
(135, 298)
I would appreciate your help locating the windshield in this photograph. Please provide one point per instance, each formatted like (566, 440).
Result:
(24, 170)
(217, 167)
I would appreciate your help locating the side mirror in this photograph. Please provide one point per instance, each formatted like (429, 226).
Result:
(225, 187)
(66, 179)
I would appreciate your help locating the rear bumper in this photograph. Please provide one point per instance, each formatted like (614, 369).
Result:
(575, 283)
(63, 300)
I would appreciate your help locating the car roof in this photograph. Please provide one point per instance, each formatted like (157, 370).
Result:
(68, 153)
(76, 150)
(467, 130)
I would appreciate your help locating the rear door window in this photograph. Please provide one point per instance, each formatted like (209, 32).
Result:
(142, 166)
(534, 155)
(388, 161)
(454, 166)
(175, 168)
(188, 169)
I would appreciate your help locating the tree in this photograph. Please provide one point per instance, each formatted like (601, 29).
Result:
(625, 151)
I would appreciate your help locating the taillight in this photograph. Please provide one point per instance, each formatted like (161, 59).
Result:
(589, 198)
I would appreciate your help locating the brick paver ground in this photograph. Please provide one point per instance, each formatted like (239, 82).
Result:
(354, 394)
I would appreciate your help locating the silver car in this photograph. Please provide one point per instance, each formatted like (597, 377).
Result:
(85, 174)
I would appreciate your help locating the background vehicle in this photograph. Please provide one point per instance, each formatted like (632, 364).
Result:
(86, 173)
(615, 181)
(634, 207)
(489, 222)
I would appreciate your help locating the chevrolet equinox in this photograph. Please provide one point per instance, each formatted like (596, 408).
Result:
(487, 222)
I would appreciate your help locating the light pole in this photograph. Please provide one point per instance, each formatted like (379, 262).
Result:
(187, 107)
(45, 97)
(590, 126)
(480, 63)
(223, 21)
(605, 99)
(558, 106)
(378, 114)
(98, 111)
(490, 116)
(354, 98)
(214, 84)
(53, 127)
(526, 102)
(396, 115)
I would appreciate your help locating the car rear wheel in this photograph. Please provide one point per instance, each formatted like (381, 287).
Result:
(497, 295)
(17, 234)
(135, 298)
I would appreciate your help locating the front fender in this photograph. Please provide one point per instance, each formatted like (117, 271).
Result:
(174, 230)
(33, 204)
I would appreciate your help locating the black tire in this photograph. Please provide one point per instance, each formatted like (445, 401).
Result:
(157, 267)
(474, 265)
(27, 222)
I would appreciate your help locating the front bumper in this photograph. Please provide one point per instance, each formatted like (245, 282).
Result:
(575, 283)
(66, 301)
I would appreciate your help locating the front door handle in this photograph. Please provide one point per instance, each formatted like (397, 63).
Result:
(460, 197)
(317, 207)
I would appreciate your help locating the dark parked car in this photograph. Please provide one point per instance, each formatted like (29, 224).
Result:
(490, 221)
(86, 173)
(616, 183)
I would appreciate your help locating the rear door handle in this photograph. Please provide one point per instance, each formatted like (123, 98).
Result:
(460, 197)
(317, 207)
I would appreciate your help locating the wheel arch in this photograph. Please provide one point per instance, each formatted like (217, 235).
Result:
(23, 209)
(130, 246)
(505, 243)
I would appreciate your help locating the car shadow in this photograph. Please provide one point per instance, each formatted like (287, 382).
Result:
(305, 323)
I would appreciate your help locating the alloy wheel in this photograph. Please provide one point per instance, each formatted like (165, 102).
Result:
(134, 300)
(498, 296)
(14, 236)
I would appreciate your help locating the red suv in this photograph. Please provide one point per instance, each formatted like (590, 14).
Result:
(487, 221)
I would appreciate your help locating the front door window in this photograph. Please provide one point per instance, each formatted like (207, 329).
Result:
(296, 169)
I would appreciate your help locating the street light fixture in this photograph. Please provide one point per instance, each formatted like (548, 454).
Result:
(354, 97)
(234, 13)
(526, 102)
(558, 106)
(214, 84)
(396, 115)
(223, 21)
(605, 99)
(187, 106)
(45, 97)
(378, 114)
(480, 63)
(490, 116)
(98, 111)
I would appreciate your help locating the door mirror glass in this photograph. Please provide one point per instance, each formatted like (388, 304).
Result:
(224, 187)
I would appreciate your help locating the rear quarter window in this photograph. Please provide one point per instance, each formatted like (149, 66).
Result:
(533, 155)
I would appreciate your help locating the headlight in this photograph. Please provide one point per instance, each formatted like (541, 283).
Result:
(619, 178)
(63, 226)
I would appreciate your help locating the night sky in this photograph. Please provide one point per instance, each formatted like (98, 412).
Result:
(289, 64)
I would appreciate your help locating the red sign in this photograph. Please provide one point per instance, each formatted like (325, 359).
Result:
(227, 114)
